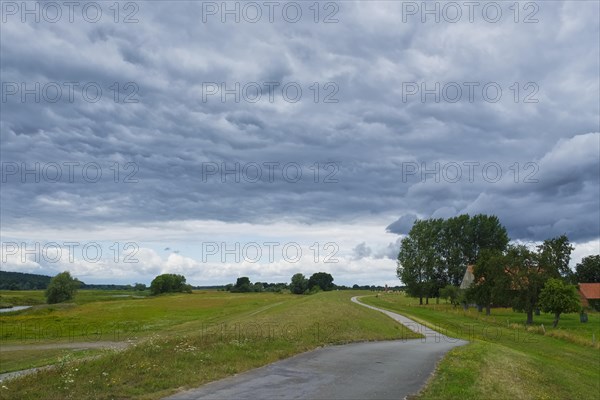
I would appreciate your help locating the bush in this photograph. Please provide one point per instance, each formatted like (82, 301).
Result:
(452, 293)
(61, 288)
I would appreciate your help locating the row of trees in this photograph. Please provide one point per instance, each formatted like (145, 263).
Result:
(526, 279)
(299, 284)
(436, 252)
(434, 256)
(243, 285)
(317, 281)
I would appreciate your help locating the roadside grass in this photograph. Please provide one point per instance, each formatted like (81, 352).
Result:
(505, 360)
(226, 334)
(25, 359)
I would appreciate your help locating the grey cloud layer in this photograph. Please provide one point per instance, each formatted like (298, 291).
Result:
(370, 133)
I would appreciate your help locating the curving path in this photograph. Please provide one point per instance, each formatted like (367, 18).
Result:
(370, 370)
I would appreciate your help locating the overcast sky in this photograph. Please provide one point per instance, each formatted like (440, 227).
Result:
(167, 132)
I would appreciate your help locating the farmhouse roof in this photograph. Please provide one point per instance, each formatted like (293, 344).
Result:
(590, 291)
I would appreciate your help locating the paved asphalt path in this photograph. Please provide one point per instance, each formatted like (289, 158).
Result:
(369, 370)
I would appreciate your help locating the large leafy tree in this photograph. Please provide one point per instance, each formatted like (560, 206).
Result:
(588, 270)
(299, 284)
(557, 297)
(169, 283)
(61, 288)
(420, 263)
(455, 242)
(491, 283)
(409, 270)
(242, 285)
(527, 278)
(554, 255)
(321, 279)
(484, 232)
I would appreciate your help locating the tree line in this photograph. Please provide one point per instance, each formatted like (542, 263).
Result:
(299, 284)
(434, 255)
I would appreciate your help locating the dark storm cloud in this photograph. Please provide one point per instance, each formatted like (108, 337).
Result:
(362, 144)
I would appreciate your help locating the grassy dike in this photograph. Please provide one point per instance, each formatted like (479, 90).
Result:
(504, 359)
(188, 340)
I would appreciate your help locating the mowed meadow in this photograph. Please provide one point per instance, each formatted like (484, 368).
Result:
(173, 341)
(505, 359)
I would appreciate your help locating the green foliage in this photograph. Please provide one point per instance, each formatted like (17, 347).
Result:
(491, 283)
(20, 281)
(61, 288)
(299, 284)
(436, 252)
(455, 240)
(588, 270)
(555, 254)
(258, 287)
(484, 232)
(556, 297)
(321, 279)
(527, 279)
(242, 285)
(451, 293)
(139, 287)
(169, 283)
(419, 259)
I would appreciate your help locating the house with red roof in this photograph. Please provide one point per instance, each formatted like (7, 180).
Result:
(590, 295)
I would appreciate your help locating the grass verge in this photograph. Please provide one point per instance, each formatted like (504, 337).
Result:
(503, 361)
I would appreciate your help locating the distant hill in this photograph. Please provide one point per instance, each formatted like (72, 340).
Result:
(21, 281)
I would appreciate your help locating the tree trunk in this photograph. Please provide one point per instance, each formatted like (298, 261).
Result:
(421, 300)
(529, 317)
(556, 317)
(427, 300)
(488, 310)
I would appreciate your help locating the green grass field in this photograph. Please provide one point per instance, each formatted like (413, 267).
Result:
(505, 360)
(180, 340)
